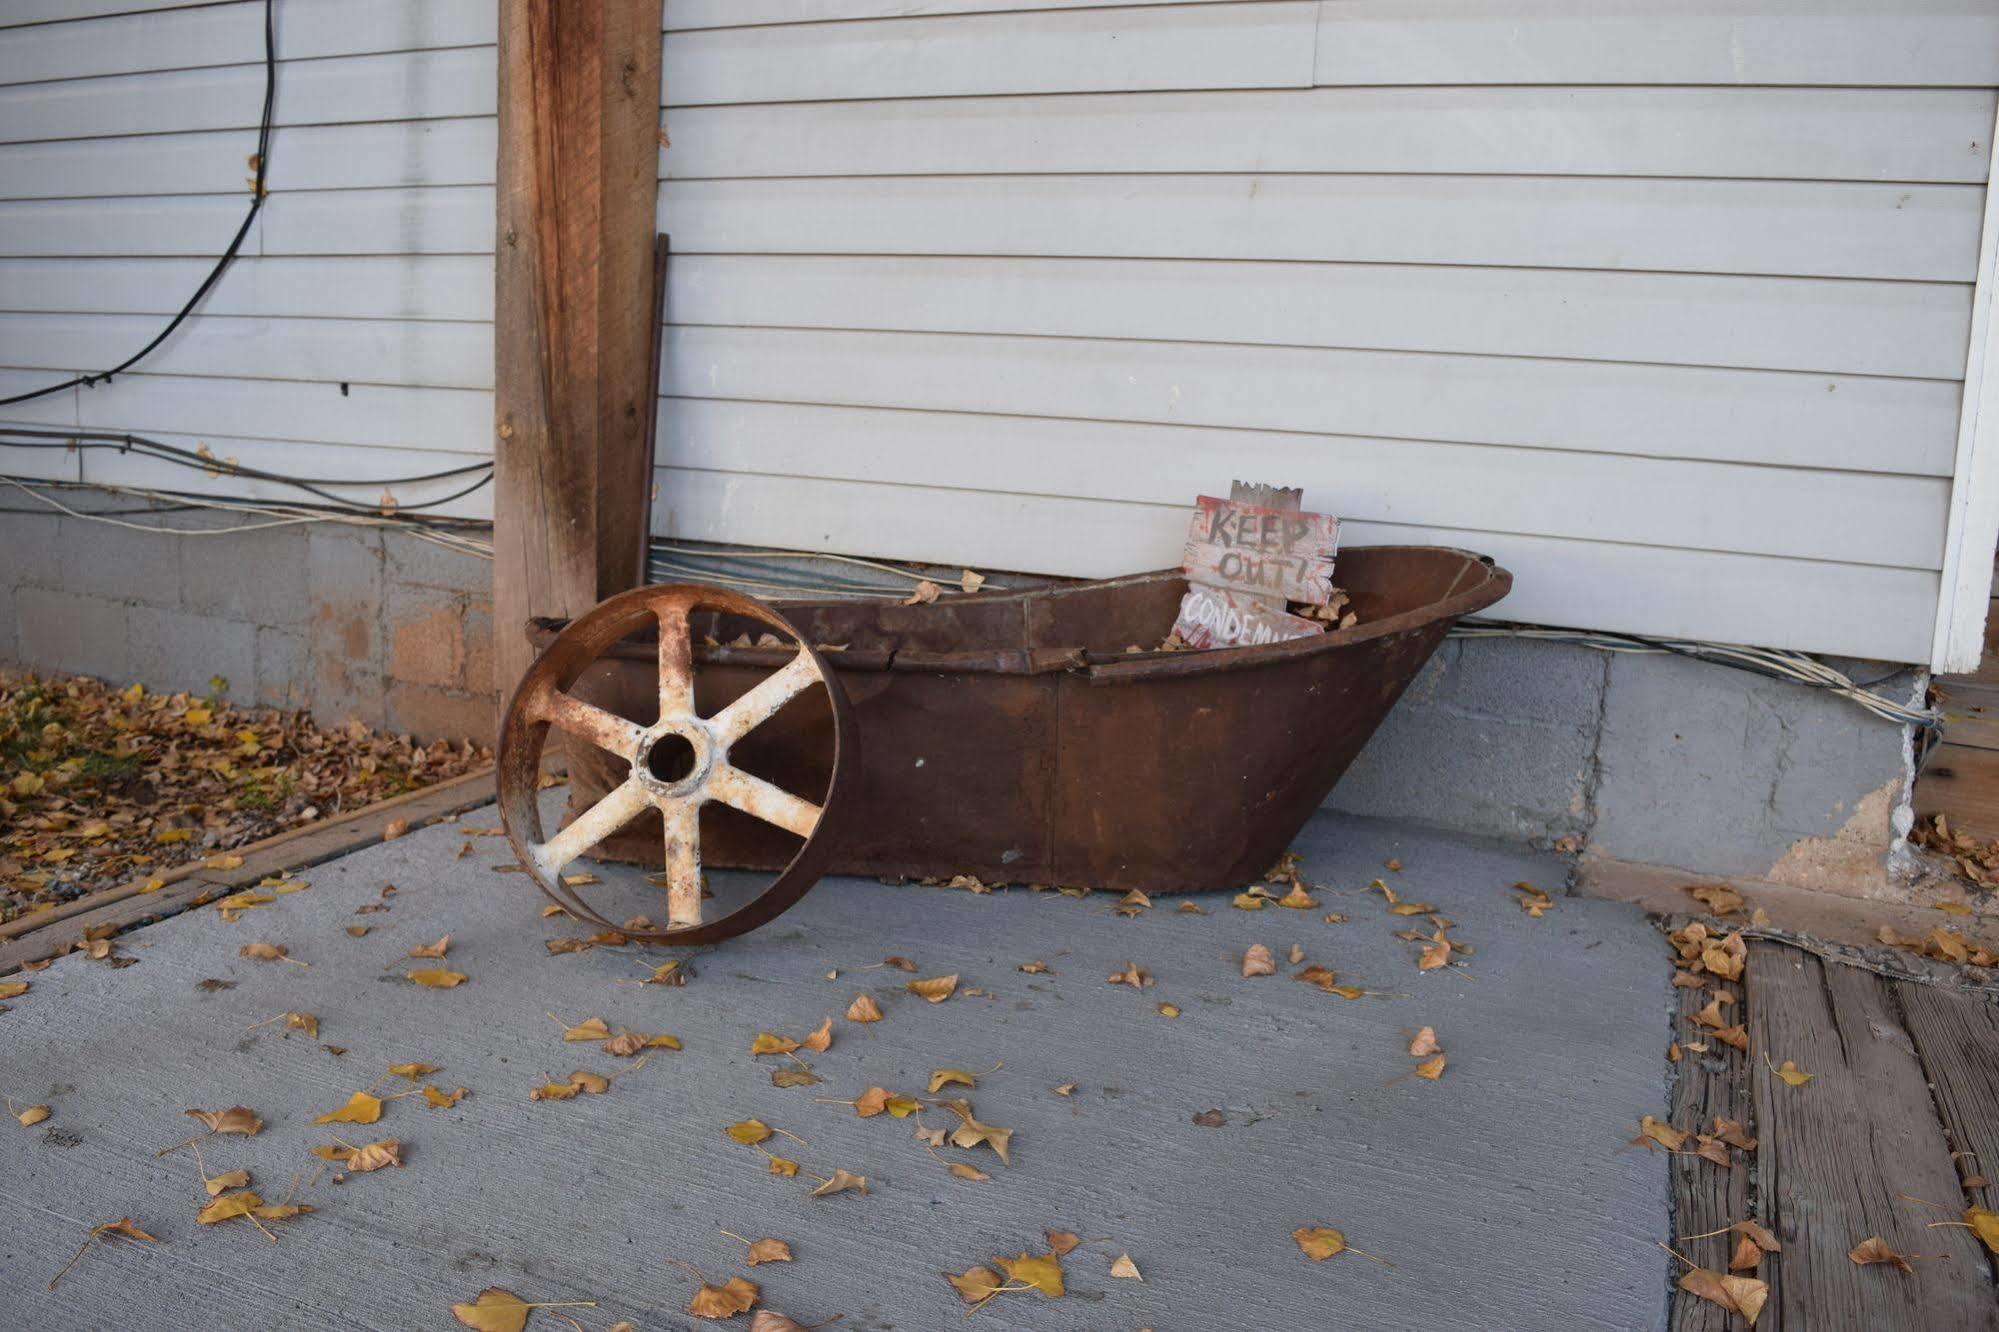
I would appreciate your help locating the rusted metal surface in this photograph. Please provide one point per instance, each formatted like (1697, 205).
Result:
(1013, 737)
(667, 772)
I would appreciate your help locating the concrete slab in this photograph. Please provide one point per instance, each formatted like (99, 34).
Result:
(1504, 1195)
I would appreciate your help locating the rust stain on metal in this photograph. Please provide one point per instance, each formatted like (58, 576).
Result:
(675, 765)
(1012, 737)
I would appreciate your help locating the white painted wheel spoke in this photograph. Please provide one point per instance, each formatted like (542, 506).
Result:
(683, 861)
(676, 664)
(606, 730)
(592, 826)
(759, 799)
(757, 706)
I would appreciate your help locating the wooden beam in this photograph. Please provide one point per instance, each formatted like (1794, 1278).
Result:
(574, 378)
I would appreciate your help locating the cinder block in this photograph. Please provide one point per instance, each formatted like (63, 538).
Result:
(418, 563)
(10, 638)
(176, 650)
(1560, 684)
(60, 631)
(255, 576)
(32, 543)
(426, 629)
(119, 564)
(435, 714)
(283, 668)
(341, 692)
(479, 650)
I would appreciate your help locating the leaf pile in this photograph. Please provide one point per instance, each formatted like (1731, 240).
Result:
(99, 785)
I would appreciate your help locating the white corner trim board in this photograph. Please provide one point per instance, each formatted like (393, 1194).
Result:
(1973, 527)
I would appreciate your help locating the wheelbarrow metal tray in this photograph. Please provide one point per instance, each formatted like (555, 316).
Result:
(1013, 737)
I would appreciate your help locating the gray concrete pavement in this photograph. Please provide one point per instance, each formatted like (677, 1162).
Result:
(1504, 1194)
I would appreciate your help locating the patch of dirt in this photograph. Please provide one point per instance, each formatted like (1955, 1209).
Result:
(100, 785)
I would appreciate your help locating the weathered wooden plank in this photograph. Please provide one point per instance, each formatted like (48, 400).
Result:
(1938, 42)
(1254, 45)
(1787, 228)
(1707, 1198)
(1586, 584)
(1913, 329)
(1275, 553)
(1838, 1154)
(1212, 617)
(1962, 781)
(1970, 712)
(1957, 1038)
(579, 116)
(1871, 425)
(1914, 134)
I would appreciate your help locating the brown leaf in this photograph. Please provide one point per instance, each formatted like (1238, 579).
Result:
(1431, 1068)
(1425, 1043)
(864, 1009)
(264, 952)
(1743, 1295)
(749, 1132)
(821, 1037)
(1213, 1118)
(1792, 1074)
(1733, 1133)
(1434, 955)
(1319, 1242)
(732, 1297)
(1746, 1256)
(840, 1182)
(394, 828)
(1123, 1266)
(934, 988)
(594, 1083)
(1133, 975)
(304, 1022)
(438, 978)
(432, 950)
(975, 1285)
(1061, 1241)
(1712, 1149)
(768, 1251)
(763, 1320)
(1874, 1249)
(236, 1119)
(496, 1310)
(230, 1179)
(1763, 1238)
(963, 1171)
(944, 1077)
(1719, 898)
(971, 1133)
(33, 1115)
(1256, 961)
(229, 1206)
(1662, 1133)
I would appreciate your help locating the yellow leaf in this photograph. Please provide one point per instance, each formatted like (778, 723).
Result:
(1169, 1010)
(1792, 1074)
(1298, 899)
(750, 1131)
(1034, 968)
(971, 1133)
(232, 1179)
(432, 950)
(1431, 1068)
(1874, 1249)
(199, 716)
(821, 1037)
(1954, 908)
(943, 1077)
(1984, 1223)
(1411, 909)
(227, 1206)
(768, 1043)
(495, 1310)
(361, 1108)
(33, 1115)
(590, 1029)
(153, 885)
(1043, 1272)
(666, 973)
(233, 906)
(264, 952)
(1248, 901)
(780, 1166)
(864, 1009)
(1319, 1242)
(412, 1070)
(14, 989)
(1665, 1135)
(934, 988)
(554, 1091)
(963, 1171)
(1133, 975)
(443, 1100)
(173, 834)
(1123, 1266)
(224, 862)
(1425, 1043)
(437, 978)
(840, 1182)
(662, 1042)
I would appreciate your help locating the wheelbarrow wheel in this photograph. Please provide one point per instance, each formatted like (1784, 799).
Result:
(678, 764)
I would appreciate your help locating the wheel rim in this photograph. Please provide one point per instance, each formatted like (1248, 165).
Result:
(677, 765)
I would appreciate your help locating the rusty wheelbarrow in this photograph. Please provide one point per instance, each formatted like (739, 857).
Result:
(1024, 737)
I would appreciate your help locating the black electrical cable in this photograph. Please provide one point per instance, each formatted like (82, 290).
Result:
(235, 244)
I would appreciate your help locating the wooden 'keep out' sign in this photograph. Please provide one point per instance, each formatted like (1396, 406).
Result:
(1248, 555)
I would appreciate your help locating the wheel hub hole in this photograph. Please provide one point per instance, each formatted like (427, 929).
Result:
(671, 758)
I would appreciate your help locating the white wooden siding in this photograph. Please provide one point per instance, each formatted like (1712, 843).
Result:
(1664, 304)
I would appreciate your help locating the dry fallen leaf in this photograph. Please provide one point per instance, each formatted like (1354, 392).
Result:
(768, 1043)
(1743, 1295)
(963, 1171)
(864, 1009)
(924, 593)
(1874, 1249)
(499, 1310)
(1043, 1272)
(228, 1207)
(971, 1133)
(767, 1251)
(1425, 1043)
(236, 1119)
(230, 1179)
(944, 1077)
(1034, 968)
(437, 978)
(821, 1038)
(361, 1108)
(14, 989)
(975, 1285)
(1748, 1253)
(934, 988)
(732, 1297)
(841, 1181)
(1763, 1239)
(1792, 1074)
(265, 952)
(1123, 1266)
(1431, 1068)
(443, 1100)
(749, 1132)
(1664, 1134)
(1061, 1241)
(33, 1115)
(1133, 975)
(1256, 961)
(1169, 1010)
(1984, 1223)
(432, 950)
(394, 828)
(1319, 1242)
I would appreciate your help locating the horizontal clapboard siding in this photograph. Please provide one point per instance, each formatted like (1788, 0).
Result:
(1665, 305)
(327, 350)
